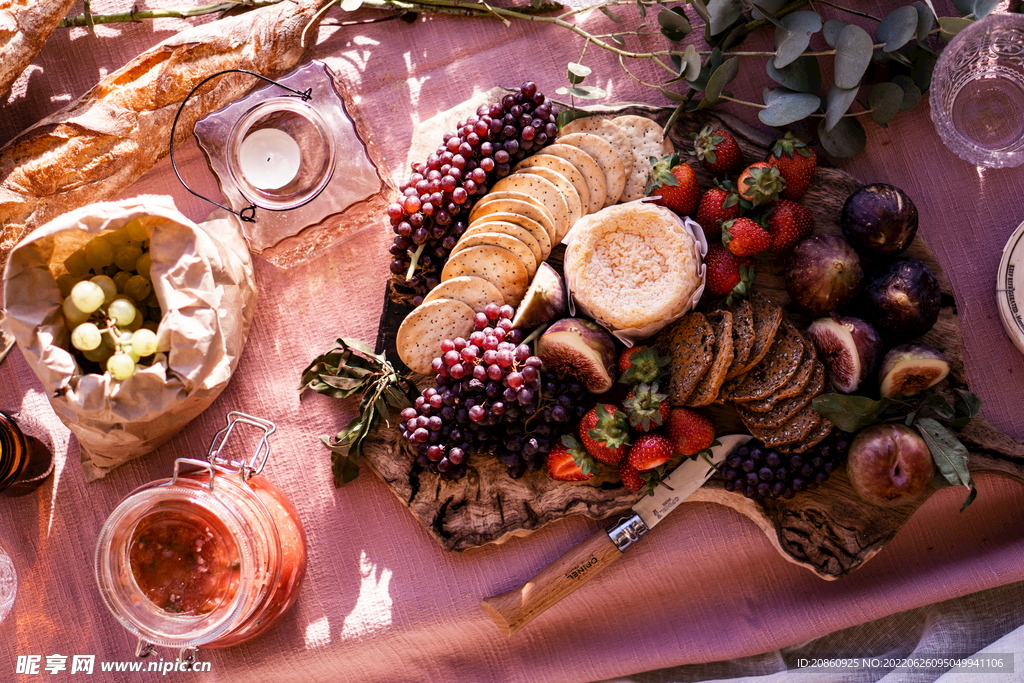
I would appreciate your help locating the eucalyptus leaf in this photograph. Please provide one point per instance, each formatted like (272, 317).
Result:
(911, 93)
(853, 54)
(803, 75)
(921, 72)
(837, 102)
(567, 115)
(618, 40)
(722, 14)
(610, 14)
(897, 28)
(768, 95)
(674, 26)
(585, 92)
(642, 8)
(577, 73)
(831, 30)
(351, 5)
(925, 21)
(701, 9)
(950, 26)
(949, 454)
(884, 99)
(766, 9)
(791, 41)
(846, 139)
(692, 59)
(721, 77)
(964, 7)
(789, 108)
(983, 8)
(674, 96)
(850, 413)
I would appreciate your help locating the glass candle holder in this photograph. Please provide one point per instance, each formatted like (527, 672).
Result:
(977, 92)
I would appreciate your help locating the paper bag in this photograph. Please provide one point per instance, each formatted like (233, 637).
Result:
(203, 278)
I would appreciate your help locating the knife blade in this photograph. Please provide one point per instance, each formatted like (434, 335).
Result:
(512, 610)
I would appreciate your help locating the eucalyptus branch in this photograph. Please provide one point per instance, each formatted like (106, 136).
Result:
(138, 16)
(850, 11)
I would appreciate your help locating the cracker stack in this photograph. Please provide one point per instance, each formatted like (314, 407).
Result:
(755, 359)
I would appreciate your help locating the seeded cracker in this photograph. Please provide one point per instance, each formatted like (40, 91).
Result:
(542, 191)
(606, 157)
(534, 226)
(475, 292)
(610, 131)
(498, 239)
(793, 430)
(563, 168)
(789, 406)
(597, 186)
(709, 386)
(420, 335)
(514, 202)
(512, 230)
(591, 171)
(569, 194)
(647, 139)
(498, 266)
(796, 383)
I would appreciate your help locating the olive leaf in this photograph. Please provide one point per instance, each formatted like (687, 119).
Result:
(884, 100)
(837, 102)
(803, 75)
(911, 93)
(831, 30)
(853, 54)
(791, 41)
(949, 454)
(788, 108)
(897, 28)
(722, 14)
(846, 139)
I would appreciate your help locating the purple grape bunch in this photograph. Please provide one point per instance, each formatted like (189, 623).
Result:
(759, 472)
(491, 395)
(433, 211)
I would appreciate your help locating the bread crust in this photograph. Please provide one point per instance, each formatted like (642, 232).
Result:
(107, 139)
(25, 26)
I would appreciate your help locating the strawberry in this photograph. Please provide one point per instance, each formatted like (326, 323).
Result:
(717, 151)
(796, 163)
(760, 183)
(646, 408)
(727, 274)
(675, 182)
(745, 237)
(689, 432)
(631, 479)
(567, 461)
(604, 432)
(788, 223)
(649, 452)
(641, 364)
(717, 205)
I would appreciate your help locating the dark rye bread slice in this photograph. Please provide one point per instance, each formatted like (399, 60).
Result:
(689, 343)
(794, 430)
(773, 372)
(794, 387)
(810, 441)
(790, 406)
(766, 316)
(707, 389)
(742, 337)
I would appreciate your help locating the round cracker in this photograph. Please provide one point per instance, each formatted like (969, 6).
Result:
(565, 168)
(610, 131)
(529, 206)
(572, 198)
(498, 266)
(606, 157)
(541, 191)
(421, 333)
(475, 292)
(499, 239)
(588, 168)
(515, 230)
(538, 231)
(648, 139)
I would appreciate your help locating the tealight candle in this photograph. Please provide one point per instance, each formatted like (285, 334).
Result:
(269, 158)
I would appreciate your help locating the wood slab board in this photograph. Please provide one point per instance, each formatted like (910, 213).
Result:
(829, 531)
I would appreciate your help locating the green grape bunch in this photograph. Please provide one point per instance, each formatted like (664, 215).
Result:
(109, 304)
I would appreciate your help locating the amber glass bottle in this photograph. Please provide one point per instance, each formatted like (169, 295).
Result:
(25, 461)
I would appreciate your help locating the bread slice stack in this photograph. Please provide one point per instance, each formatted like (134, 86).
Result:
(754, 359)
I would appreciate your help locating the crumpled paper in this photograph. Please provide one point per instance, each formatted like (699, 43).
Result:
(203, 277)
(630, 336)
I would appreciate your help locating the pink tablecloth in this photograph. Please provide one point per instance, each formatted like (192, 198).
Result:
(382, 602)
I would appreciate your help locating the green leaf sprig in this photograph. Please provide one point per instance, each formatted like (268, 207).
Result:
(933, 416)
(351, 368)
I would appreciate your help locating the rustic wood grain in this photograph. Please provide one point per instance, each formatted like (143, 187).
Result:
(829, 531)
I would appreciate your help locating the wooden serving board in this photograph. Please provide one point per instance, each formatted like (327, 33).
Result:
(830, 531)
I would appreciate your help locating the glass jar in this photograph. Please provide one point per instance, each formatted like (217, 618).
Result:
(25, 461)
(211, 557)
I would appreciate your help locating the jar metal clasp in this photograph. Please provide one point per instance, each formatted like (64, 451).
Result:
(215, 463)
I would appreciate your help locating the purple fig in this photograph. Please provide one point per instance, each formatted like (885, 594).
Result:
(890, 465)
(545, 300)
(911, 368)
(849, 347)
(823, 273)
(578, 348)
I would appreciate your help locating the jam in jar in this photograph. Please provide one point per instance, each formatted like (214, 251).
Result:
(211, 557)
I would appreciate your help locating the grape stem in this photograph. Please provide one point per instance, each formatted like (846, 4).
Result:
(535, 334)
(414, 262)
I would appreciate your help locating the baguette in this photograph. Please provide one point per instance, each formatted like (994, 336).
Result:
(24, 27)
(107, 139)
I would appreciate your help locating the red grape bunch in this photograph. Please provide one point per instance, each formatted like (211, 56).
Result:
(433, 210)
(491, 395)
